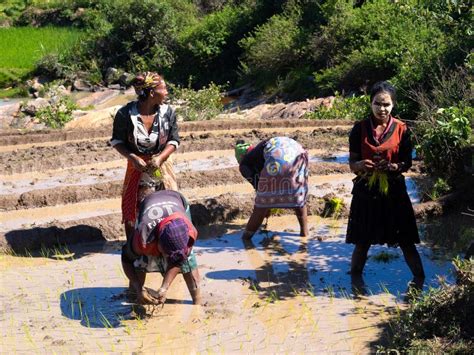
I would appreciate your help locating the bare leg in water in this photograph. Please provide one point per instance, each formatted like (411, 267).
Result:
(302, 215)
(359, 258)
(255, 221)
(413, 260)
(135, 277)
(192, 281)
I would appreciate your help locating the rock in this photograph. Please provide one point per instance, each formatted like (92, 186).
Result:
(112, 75)
(125, 79)
(81, 85)
(8, 114)
(33, 106)
(114, 86)
(97, 98)
(95, 119)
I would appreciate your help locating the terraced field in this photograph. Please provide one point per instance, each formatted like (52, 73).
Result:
(60, 202)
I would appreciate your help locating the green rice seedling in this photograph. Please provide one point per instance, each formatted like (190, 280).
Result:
(86, 319)
(105, 322)
(273, 297)
(310, 292)
(45, 252)
(26, 330)
(100, 346)
(330, 290)
(79, 304)
(85, 276)
(140, 323)
(384, 257)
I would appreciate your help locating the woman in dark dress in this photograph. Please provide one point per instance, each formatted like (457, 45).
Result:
(381, 211)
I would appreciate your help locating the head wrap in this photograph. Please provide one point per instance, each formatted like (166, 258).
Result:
(146, 80)
(174, 240)
(240, 150)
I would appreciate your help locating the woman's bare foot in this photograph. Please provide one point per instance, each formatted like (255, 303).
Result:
(247, 235)
(196, 295)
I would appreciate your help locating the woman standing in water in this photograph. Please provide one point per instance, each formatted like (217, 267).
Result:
(278, 170)
(381, 211)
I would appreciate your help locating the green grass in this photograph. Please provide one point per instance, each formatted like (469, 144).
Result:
(22, 47)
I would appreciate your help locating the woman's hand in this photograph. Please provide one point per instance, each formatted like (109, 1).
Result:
(156, 161)
(365, 165)
(137, 162)
(162, 295)
(385, 165)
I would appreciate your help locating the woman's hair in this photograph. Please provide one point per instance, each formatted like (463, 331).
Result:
(383, 86)
(145, 82)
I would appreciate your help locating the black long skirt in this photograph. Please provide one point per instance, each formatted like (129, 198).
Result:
(381, 219)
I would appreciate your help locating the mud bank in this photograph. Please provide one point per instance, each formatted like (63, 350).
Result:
(61, 195)
(224, 208)
(76, 153)
(27, 137)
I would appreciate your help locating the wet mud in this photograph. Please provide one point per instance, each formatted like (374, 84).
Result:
(208, 211)
(76, 153)
(61, 195)
(38, 136)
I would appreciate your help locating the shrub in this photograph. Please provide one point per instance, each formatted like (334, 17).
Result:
(440, 188)
(439, 321)
(134, 35)
(442, 141)
(272, 48)
(208, 49)
(350, 108)
(358, 46)
(197, 105)
(59, 112)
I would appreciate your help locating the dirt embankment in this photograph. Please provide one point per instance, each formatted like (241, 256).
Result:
(224, 208)
(76, 153)
(28, 137)
(189, 179)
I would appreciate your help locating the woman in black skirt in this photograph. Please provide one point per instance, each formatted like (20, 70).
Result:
(381, 211)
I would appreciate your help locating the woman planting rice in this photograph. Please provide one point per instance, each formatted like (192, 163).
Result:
(278, 170)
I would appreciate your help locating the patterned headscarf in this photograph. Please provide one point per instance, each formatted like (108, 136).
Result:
(174, 239)
(145, 81)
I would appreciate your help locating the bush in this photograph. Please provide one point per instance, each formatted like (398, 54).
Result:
(197, 105)
(440, 321)
(272, 48)
(350, 108)
(134, 35)
(440, 188)
(358, 46)
(208, 49)
(59, 112)
(442, 141)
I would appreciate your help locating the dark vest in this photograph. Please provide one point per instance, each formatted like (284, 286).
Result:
(388, 148)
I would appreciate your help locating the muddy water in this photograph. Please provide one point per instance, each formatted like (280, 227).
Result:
(281, 293)
(115, 170)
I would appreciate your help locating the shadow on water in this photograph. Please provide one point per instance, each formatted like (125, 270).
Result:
(285, 264)
(95, 307)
